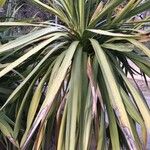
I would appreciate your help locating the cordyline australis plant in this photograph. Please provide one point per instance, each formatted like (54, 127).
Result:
(72, 90)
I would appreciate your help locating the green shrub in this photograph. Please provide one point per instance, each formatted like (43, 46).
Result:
(73, 90)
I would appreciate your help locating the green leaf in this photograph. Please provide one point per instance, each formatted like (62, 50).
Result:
(133, 112)
(144, 110)
(118, 47)
(49, 8)
(52, 91)
(129, 6)
(25, 39)
(7, 131)
(35, 103)
(31, 74)
(20, 111)
(137, 10)
(111, 116)
(139, 58)
(102, 139)
(141, 46)
(116, 100)
(108, 33)
(82, 14)
(75, 99)
(136, 43)
(60, 143)
(2, 3)
(58, 12)
(56, 66)
(15, 24)
(143, 67)
(109, 6)
(26, 56)
(87, 121)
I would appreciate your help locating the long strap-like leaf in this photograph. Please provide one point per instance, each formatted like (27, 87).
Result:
(114, 92)
(52, 91)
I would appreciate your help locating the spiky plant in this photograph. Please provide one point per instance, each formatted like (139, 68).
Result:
(72, 90)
